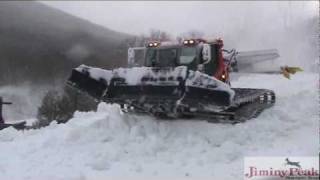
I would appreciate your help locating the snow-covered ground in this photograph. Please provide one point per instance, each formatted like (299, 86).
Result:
(108, 143)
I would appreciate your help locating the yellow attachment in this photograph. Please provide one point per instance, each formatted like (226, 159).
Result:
(286, 70)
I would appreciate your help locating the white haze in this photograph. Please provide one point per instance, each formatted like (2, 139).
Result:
(290, 27)
(26, 99)
(78, 52)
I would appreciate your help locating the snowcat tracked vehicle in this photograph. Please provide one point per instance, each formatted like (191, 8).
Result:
(187, 79)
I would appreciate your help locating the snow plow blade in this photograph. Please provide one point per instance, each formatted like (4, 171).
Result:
(163, 92)
(150, 84)
(18, 126)
(252, 57)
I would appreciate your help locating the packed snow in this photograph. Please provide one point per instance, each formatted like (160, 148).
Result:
(110, 144)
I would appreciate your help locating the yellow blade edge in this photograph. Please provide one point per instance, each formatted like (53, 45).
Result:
(286, 71)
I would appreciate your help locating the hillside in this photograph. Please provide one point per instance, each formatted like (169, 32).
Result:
(40, 44)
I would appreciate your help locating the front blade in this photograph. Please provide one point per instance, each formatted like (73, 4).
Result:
(153, 86)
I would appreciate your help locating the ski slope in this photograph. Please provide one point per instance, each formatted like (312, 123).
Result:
(108, 144)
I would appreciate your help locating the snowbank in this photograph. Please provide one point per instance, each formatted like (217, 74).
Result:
(108, 143)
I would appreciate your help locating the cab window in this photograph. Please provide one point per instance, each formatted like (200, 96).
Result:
(188, 54)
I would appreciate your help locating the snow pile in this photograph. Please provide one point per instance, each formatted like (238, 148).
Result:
(108, 143)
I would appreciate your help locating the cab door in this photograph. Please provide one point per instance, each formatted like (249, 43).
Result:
(211, 66)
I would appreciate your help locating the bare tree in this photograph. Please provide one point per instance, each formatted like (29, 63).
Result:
(158, 35)
(57, 106)
(192, 34)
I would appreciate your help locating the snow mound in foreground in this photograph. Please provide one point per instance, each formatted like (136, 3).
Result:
(108, 143)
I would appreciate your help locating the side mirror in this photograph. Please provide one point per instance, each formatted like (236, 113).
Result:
(206, 53)
(131, 57)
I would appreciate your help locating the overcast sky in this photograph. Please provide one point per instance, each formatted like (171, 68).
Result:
(288, 26)
(211, 17)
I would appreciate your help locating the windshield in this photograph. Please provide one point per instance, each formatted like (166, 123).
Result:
(151, 57)
(188, 54)
(161, 57)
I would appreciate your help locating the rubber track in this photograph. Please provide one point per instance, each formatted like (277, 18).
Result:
(248, 104)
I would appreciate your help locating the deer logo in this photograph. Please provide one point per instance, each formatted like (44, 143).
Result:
(291, 163)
